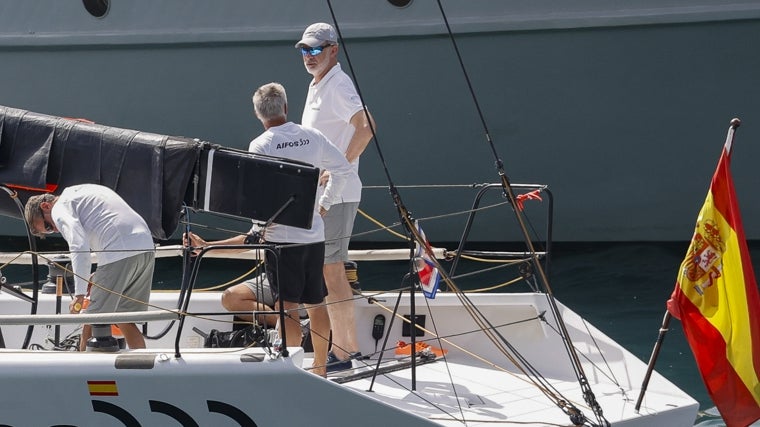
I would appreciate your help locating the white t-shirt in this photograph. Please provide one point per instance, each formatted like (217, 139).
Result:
(330, 104)
(92, 217)
(295, 142)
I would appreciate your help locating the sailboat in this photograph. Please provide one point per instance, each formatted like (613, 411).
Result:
(458, 359)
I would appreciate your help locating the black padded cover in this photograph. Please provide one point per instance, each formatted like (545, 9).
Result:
(153, 173)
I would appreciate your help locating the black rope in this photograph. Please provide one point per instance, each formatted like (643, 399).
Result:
(35, 271)
(499, 163)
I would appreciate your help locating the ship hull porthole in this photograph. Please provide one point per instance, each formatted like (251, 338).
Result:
(97, 8)
(400, 3)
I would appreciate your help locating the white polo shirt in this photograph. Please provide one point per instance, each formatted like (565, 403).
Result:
(330, 104)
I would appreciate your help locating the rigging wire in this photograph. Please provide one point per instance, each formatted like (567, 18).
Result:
(498, 340)
(13, 194)
(361, 97)
(414, 236)
(580, 375)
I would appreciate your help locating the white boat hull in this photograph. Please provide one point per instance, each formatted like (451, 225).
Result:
(209, 386)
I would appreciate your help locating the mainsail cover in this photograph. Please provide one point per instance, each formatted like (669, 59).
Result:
(153, 173)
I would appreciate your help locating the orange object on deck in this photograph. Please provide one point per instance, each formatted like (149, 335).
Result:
(404, 349)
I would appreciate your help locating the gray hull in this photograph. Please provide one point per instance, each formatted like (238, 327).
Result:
(621, 111)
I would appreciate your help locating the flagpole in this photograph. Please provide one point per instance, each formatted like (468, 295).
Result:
(735, 123)
(653, 357)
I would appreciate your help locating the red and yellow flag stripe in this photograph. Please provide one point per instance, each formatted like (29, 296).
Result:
(102, 388)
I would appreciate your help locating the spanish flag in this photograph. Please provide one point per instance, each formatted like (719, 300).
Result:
(716, 299)
(102, 388)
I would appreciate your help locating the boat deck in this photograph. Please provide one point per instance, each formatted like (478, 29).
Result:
(483, 396)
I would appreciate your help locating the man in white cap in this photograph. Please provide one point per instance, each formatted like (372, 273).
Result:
(334, 107)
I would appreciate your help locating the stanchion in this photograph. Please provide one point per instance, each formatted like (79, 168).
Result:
(58, 295)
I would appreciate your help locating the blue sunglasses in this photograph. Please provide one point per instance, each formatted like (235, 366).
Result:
(313, 51)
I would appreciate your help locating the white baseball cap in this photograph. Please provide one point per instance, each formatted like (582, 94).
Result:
(317, 35)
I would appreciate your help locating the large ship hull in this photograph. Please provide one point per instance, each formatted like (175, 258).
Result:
(622, 111)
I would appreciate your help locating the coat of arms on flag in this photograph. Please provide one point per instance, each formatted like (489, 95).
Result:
(705, 264)
(426, 271)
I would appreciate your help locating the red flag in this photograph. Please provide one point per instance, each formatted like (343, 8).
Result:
(426, 270)
(521, 198)
(716, 299)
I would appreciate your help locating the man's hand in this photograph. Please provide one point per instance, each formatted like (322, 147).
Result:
(324, 178)
(193, 240)
(76, 305)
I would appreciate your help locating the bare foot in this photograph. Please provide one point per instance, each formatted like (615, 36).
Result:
(320, 370)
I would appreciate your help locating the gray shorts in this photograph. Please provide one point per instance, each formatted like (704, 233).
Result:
(339, 224)
(261, 289)
(127, 284)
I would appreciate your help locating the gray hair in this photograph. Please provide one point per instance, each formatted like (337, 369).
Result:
(269, 101)
(33, 211)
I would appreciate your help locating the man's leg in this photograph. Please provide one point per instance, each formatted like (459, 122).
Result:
(340, 306)
(241, 298)
(292, 324)
(86, 334)
(132, 335)
(339, 223)
(319, 324)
